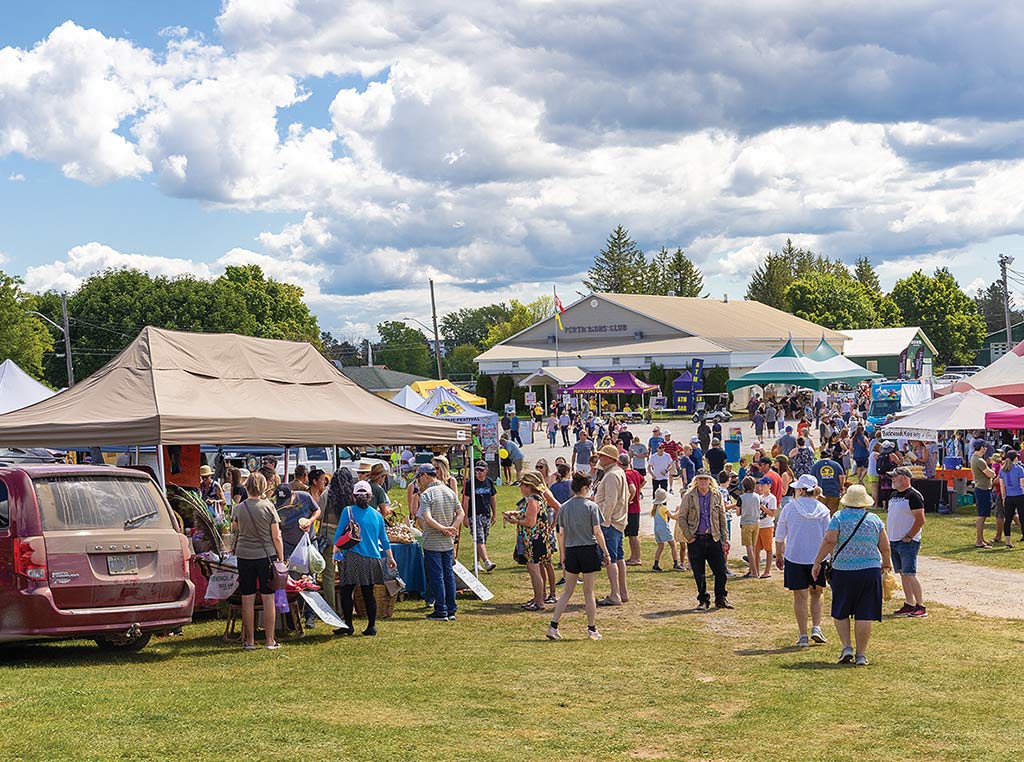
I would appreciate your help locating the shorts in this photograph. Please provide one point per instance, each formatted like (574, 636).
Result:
(798, 576)
(765, 538)
(983, 501)
(904, 556)
(613, 539)
(633, 525)
(538, 551)
(582, 559)
(483, 527)
(832, 503)
(857, 593)
(748, 534)
(255, 575)
(861, 462)
(641, 471)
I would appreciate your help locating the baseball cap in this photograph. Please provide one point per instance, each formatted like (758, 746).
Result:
(765, 459)
(480, 465)
(807, 481)
(694, 440)
(362, 488)
(426, 468)
(764, 480)
(903, 471)
(283, 495)
(789, 429)
(702, 472)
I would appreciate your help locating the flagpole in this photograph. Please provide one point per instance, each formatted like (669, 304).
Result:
(555, 294)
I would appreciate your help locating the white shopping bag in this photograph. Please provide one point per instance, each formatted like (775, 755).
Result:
(299, 560)
(221, 585)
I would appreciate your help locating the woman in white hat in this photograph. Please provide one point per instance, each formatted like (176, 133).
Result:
(212, 494)
(801, 528)
(861, 552)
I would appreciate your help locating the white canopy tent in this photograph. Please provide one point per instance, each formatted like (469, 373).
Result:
(18, 389)
(955, 411)
(408, 398)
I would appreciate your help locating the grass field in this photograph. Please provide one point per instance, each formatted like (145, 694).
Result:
(665, 683)
(952, 537)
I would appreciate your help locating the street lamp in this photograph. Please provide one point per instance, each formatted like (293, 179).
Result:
(67, 336)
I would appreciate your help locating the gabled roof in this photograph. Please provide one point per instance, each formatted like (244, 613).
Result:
(882, 342)
(378, 379)
(722, 322)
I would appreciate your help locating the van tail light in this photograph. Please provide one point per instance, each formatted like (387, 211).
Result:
(30, 558)
(186, 554)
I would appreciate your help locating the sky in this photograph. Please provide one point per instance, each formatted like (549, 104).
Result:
(359, 149)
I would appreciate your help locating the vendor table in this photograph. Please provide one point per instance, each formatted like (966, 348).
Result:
(949, 474)
(409, 558)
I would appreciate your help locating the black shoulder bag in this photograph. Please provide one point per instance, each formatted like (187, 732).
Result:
(826, 565)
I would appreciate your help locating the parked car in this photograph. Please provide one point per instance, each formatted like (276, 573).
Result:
(89, 552)
(964, 371)
(28, 455)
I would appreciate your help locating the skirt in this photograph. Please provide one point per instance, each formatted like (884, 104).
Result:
(354, 569)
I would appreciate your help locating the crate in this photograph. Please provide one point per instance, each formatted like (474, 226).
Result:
(965, 499)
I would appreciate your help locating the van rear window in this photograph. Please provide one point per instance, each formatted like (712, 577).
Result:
(97, 502)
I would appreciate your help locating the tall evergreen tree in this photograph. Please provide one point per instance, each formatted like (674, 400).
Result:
(683, 277)
(865, 274)
(618, 267)
(989, 302)
(770, 280)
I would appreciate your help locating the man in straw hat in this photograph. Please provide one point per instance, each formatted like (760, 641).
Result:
(701, 523)
(612, 498)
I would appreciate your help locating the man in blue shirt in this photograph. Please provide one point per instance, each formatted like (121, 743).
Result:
(513, 429)
(830, 478)
(787, 442)
(514, 454)
(696, 454)
(1012, 475)
(655, 440)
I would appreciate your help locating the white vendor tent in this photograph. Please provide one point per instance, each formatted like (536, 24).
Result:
(18, 389)
(955, 411)
(408, 399)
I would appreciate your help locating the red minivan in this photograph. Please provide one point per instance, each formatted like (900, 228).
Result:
(89, 552)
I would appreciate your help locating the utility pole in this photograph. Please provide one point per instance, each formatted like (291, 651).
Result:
(1004, 262)
(437, 338)
(67, 338)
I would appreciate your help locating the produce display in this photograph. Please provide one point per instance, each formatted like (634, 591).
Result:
(401, 534)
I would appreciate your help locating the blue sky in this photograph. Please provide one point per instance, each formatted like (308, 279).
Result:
(359, 150)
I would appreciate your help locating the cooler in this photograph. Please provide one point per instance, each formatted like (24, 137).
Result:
(951, 461)
(732, 450)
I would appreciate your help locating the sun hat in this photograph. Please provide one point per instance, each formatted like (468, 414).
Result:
(702, 472)
(609, 451)
(364, 467)
(534, 480)
(440, 459)
(807, 481)
(205, 471)
(660, 496)
(362, 488)
(888, 445)
(856, 497)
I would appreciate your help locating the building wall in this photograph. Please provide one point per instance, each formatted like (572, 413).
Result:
(586, 325)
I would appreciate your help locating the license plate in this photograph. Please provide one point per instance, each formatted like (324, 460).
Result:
(123, 564)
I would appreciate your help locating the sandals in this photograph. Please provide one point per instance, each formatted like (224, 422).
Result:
(983, 545)
(532, 606)
(766, 576)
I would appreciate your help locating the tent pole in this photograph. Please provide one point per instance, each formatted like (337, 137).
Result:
(161, 479)
(136, 455)
(472, 509)
(285, 479)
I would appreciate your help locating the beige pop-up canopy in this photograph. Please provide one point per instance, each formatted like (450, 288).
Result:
(172, 388)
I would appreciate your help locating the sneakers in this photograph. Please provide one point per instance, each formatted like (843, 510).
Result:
(862, 660)
(490, 566)
(802, 642)
(593, 634)
(553, 633)
(551, 599)
(656, 568)
(906, 610)
(817, 635)
(919, 612)
(723, 604)
(273, 646)
(678, 567)
(560, 582)
(370, 631)
(437, 617)
(704, 606)
(846, 655)
(451, 617)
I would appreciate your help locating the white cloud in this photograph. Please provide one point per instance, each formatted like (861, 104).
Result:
(16, 177)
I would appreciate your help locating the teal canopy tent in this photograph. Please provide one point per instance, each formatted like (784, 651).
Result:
(790, 366)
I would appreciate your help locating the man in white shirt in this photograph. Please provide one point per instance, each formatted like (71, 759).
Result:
(659, 464)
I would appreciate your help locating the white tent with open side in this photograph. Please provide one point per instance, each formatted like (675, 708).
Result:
(18, 389)
(955, 411)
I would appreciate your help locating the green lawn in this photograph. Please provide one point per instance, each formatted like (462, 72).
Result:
(952, 536)
(665, 683)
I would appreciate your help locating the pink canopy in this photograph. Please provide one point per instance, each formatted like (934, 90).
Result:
(1005, 419)
(616, 382)
(1003, 379)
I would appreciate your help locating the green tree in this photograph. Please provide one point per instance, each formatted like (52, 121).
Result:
(656, 375)
(887, 314)
(470, 325)
(948, 316)
(716, 379)
(404, 349)
(344, 351)
(460, 361)
(865, 274)
(619, 267)
(680, 276)
(830, 301)
(770, 280)
(24, 338)
(277, 307)
(485, 389)
(521, 317)
(989, 303)
(504, 390)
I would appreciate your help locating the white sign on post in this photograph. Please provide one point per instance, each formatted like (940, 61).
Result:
(319, 606)
(472, 582)
(530, 398)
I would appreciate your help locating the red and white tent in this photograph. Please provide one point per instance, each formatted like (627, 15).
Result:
(1003, 379)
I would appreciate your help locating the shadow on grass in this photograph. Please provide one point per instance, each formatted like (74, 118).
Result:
(77, 654)
(767, 651)
(673, 612)
(814, 666)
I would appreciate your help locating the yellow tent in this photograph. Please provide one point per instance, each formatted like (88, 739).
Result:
(426, 387)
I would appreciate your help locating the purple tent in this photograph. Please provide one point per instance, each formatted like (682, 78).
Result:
(616, 382)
